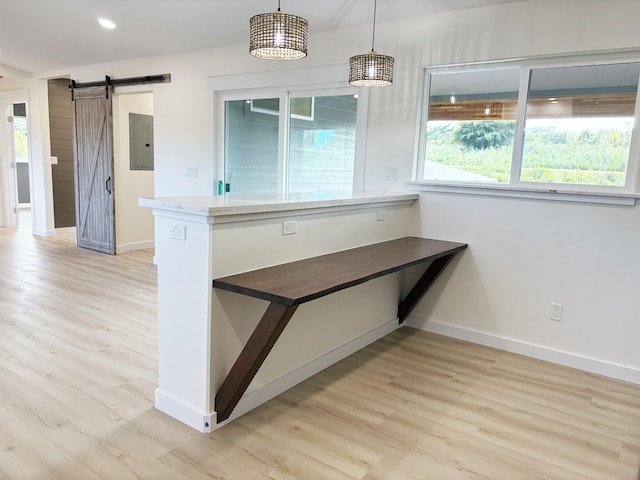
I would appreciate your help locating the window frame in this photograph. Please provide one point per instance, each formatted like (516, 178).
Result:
(526, 66)
(328, 80)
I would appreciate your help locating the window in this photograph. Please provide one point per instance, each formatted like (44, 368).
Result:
(322, 148)
(471, 125)
(20, 139)
(291, 143)
(578, 124)
(251, 145)
(565, 126)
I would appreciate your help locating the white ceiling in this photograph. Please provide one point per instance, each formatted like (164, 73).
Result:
(41, 35)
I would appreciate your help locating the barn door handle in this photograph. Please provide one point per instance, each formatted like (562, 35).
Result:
(107, 185)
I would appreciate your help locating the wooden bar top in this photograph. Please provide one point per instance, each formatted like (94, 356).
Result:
(305, 280)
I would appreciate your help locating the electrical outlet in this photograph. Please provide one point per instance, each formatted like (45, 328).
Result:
(381, 215)
(178, 232)
(556, 312)
(288, 228)
(391, 173)
(190, 171)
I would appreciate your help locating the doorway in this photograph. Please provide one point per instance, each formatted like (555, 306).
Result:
(21, 154)
(21, 159)
(15, 176)
(134, 224)
(128, 178)
(134, 169)
(110, 176)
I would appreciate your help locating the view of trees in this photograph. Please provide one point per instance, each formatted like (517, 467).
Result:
(22, 149)
(591, 156)
(483, 135)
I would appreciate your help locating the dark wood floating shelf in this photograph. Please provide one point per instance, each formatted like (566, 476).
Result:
(290, 284)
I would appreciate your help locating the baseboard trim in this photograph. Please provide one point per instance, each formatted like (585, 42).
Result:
(586, 364)
(202, 421)
(43, 233)
(265, 393)
(127, 247)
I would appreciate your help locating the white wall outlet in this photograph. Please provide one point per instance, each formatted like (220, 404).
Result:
(391, 173)
(556, 312)
(178, 232)
(190, 171)
(54, 160)
(381, 215)
(288, 228)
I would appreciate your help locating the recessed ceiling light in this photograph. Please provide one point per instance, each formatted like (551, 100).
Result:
(105, 23)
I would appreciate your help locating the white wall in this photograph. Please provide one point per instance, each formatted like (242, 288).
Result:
(134, 224)
(523, 253)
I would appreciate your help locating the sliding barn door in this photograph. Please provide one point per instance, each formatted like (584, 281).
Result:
(93, 164)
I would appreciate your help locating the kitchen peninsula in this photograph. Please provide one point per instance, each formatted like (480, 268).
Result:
(202, 330)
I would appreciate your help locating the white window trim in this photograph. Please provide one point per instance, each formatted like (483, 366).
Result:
(488, 190)
(307, 81)
(623, 195)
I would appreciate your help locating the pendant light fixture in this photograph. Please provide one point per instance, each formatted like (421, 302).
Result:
(278, 36)
(371, 69)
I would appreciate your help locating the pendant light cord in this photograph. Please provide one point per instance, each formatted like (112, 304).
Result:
(278, 5)
(373, 37)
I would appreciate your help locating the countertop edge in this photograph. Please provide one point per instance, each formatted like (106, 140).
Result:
(212, 206)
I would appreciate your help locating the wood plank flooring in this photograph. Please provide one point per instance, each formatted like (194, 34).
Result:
(78, 371)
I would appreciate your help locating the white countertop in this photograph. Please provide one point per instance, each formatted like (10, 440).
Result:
(230, 204)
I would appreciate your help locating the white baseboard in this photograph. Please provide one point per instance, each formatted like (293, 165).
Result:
(265, 393)
(202, 421)
(535, 351)
(43, 233)
(127, 247)
(206, 422)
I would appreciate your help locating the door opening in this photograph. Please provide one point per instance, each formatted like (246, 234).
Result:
(15, 191)
(21, 159)
(134, 169)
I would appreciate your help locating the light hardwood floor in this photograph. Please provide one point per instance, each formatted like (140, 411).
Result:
(78, 371)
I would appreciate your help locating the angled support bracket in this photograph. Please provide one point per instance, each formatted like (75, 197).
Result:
(251, 358)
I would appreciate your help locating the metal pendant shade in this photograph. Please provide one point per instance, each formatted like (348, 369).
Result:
(278, 36)
(371, 69)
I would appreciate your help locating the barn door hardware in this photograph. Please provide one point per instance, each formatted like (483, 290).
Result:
(109, 82)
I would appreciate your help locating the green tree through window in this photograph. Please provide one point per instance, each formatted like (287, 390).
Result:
(484, 135)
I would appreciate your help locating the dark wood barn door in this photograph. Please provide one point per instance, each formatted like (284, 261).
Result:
(93, 162)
